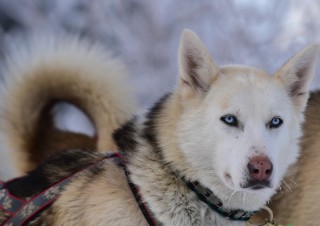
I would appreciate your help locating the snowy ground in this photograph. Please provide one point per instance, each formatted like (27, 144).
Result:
(145, 34)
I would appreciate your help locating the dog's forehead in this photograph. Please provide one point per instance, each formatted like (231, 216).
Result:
(242, 69)
(249, 88)
(245, 75)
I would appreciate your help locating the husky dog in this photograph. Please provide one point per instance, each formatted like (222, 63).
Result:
(212, 152)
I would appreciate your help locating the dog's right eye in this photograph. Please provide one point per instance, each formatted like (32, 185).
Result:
(230, 120)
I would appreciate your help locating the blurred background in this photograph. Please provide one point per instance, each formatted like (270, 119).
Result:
(145, 35)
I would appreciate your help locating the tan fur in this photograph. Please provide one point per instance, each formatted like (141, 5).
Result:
(54, 70)
(298, 201)
(100, 197)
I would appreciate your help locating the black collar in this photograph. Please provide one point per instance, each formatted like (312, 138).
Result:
(209, 198)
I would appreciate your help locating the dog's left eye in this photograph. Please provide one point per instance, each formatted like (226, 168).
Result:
(230, 120)
(275, 122)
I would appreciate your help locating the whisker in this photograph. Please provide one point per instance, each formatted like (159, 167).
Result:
(244, 199)
(289, 188)
(231, 197)
(285, 187)
(293, 181)
(280, 189)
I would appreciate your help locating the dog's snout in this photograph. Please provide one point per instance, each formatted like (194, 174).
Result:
(260, 168)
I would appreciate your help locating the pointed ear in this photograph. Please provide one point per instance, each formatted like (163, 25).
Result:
(297, 73)
(196, 67)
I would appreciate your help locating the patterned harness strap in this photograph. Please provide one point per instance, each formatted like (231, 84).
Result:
(8, 202)
(21, 211)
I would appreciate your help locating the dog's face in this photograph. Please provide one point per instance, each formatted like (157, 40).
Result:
(240, 126)
(252, 126)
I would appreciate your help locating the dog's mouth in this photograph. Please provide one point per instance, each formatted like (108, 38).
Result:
(256, 185)
(247, 183)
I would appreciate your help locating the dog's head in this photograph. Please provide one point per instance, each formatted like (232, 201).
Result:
(240, 126)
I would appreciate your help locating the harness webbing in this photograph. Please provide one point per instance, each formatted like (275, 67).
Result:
(143, 207)
(22, 211)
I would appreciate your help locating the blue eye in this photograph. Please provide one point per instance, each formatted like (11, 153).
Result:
(230, 120)
(275, 122)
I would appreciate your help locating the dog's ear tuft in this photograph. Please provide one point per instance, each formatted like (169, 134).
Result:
(196, 67)
(297, 73)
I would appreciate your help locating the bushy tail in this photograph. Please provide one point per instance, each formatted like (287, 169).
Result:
(46, 70)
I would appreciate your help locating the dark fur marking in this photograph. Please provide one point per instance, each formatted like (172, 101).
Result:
(187, 83)
(302, 72)
(314, 98)
(192, 67)
(149, 132)
(125, 137)
(301, 94)
(296, 86)
(45, 140)
(312, 119)
(54, 169)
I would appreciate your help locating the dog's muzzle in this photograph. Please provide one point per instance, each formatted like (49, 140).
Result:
(259, 172)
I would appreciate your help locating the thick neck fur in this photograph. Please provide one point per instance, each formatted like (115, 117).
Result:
(151, 148)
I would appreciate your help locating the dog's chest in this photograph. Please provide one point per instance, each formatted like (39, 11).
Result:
(171, 202)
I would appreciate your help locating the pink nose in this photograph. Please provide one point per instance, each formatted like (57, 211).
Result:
(260, 168)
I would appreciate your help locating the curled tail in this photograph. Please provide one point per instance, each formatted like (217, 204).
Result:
(46, 70)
